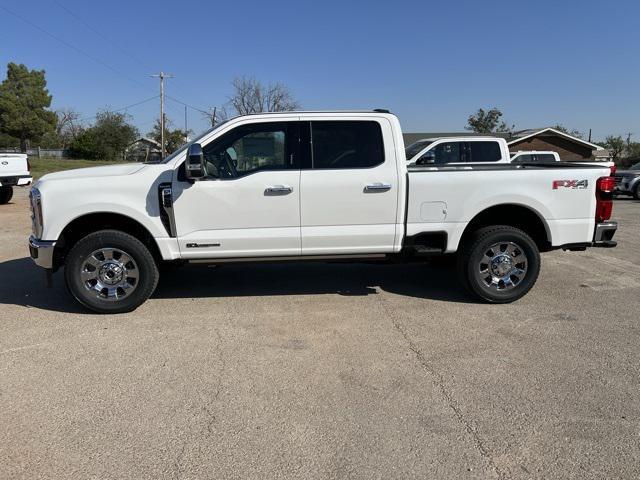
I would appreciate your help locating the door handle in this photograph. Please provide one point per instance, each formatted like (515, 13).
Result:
(377, 187)
(278, 190)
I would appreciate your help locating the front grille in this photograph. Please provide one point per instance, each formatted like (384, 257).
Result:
(618, 180)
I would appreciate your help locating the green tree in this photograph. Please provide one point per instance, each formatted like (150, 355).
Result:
(487, 121)
(107, 139)
(24, 100)
(173, 139)
(616, 146)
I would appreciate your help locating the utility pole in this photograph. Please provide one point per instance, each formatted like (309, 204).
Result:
(186, 134)
(162, 76)
(213, 117)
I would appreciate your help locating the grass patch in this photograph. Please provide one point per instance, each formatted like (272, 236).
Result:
(42, 166)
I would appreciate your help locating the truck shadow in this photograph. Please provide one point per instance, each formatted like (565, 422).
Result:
(22, 283)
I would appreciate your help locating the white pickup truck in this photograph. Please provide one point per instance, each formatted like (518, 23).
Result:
(310, 186)
(458, 151)
(14, 172)
(531, 156)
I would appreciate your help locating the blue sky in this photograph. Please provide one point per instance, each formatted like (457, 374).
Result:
(431, 63)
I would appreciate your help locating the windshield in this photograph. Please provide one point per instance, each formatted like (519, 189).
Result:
(413, 149)
(195, 140)
(635, 166)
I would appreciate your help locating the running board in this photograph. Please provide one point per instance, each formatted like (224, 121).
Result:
(295, 258)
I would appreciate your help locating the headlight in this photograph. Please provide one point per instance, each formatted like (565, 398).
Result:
(35, 201)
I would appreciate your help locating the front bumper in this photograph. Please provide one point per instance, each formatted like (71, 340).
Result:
(41, 252)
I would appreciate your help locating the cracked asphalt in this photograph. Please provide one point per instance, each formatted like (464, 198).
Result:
(324, 372)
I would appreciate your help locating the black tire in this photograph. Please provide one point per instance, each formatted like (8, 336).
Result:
(135, 290)
(636, 191)
(6, 194)
(476, 278)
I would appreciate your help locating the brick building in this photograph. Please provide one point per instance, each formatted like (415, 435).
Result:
(569, 148)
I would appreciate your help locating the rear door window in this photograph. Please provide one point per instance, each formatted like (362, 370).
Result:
(483, 152)
(346, 144)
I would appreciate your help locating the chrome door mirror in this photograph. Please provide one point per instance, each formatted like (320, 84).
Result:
(195, 167)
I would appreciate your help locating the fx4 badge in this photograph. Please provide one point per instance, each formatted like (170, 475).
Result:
(570, 184)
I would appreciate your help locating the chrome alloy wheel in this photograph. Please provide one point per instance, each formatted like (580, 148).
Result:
(110, 273)
(503, 266)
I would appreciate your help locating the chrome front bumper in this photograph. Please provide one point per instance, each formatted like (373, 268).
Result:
(41, 252)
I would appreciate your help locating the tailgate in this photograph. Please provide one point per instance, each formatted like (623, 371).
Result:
(12, 165)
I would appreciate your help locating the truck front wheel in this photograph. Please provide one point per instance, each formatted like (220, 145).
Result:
(110, 271)
(499, 264)
(6, 193)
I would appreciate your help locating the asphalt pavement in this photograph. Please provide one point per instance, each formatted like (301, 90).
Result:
(314, 371)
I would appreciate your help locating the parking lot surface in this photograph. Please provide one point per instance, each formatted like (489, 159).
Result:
(317, 371)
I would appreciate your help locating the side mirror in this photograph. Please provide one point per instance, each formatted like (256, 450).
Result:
(429, 157)
(195, 167)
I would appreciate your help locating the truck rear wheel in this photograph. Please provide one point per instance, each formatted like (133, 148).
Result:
(110, 271)
(499, 264)
(6, 193)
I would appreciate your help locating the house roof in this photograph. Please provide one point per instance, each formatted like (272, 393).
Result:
(525, 134)
(146, 140)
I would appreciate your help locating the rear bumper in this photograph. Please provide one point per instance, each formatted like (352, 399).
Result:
(603, 235)
(41, 252)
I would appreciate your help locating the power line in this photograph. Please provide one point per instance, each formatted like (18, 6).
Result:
(104, 37)
(187, 105)
(122, 50)
(125, 107)
(93, 58)
(72, 47)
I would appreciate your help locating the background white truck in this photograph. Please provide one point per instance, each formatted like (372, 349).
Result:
(458, 151)
(14, 172)
(311, 186)
(530, 156)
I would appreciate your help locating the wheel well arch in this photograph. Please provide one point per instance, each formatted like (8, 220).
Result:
(92, 222)
(514, 215)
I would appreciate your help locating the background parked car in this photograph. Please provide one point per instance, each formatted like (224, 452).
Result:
(628, 181)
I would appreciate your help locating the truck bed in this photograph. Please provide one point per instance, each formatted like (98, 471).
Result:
(562, 194)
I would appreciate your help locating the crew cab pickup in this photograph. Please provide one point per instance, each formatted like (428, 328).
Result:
(310, 186)
(458, 151)
(14, 171)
